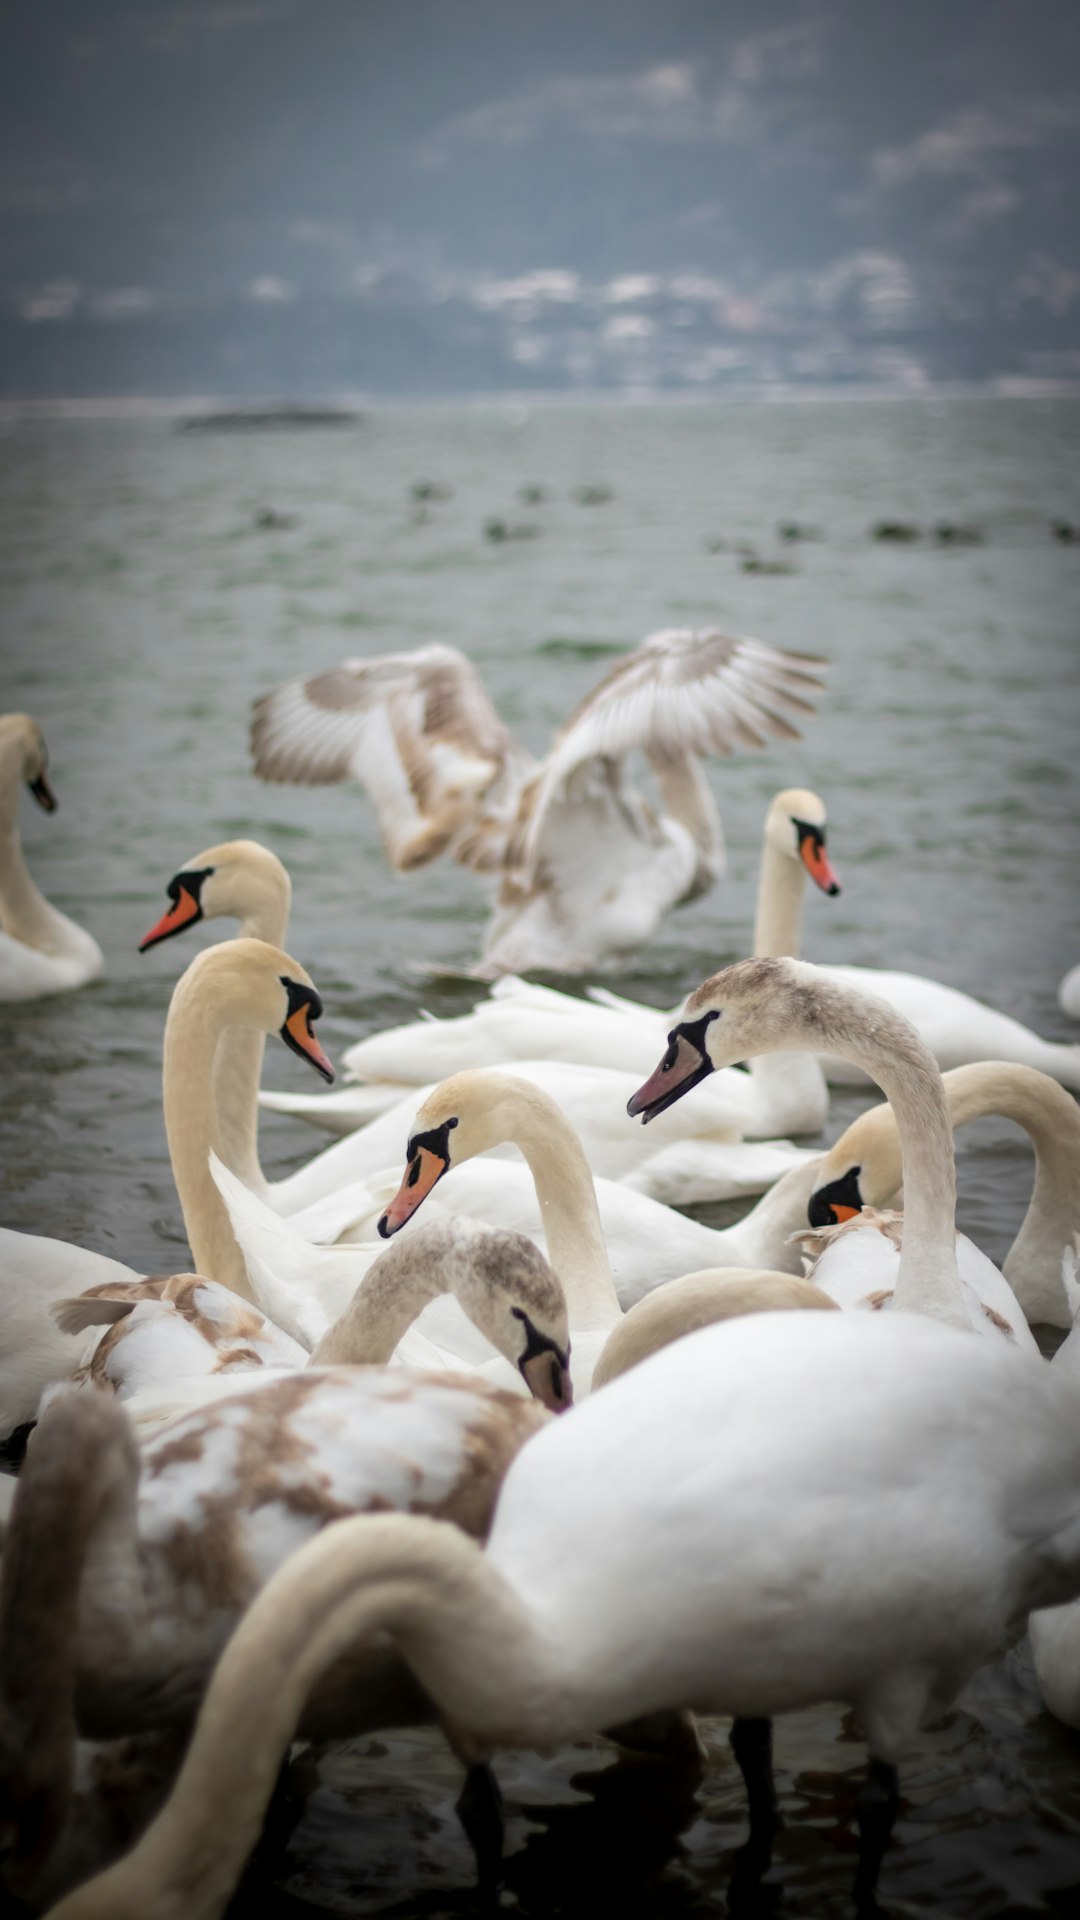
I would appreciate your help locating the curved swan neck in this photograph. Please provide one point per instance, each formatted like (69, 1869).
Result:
(193, 1030)
(389, 1298)
(458, 1622)
(81, 1467)
(237, 1074)
(1051, 1118)
(25, 913)
(523, 1114)
(830, 1019)
(781, 891)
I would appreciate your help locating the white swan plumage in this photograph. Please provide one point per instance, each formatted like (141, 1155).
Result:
(41, 951)
(587, 870)
(883, 1437)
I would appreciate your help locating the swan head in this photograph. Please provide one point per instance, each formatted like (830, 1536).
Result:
(510, 1292)
(755, 1006)
(249, 983)
(22, 744)
(237, 880)
(463, 1116)
(795, 828)
(861, 1169)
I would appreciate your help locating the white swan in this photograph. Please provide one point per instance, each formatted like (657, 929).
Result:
(41, 950)
(636, 1566)
(243, 983)
(646, 1243)
(778, 1096)
(304, 1287)
(778, 1003)
(243, 880)
(863, 1169)
(587, 870)
(238, 880)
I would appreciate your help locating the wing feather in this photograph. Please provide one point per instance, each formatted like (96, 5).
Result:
(681, 692)
(420, 734)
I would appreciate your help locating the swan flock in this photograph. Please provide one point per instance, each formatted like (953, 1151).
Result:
(465, 1420)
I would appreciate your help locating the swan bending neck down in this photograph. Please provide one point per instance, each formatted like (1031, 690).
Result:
(863, 1168)
(237, 879)
(41, 950)
(759, 1005)
(258, 989)
(886, 1432)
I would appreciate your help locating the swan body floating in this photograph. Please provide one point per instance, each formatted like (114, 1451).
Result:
(639, 1566)
(778, 1096)
(863, 1168)
(41, 950)
(586, 869)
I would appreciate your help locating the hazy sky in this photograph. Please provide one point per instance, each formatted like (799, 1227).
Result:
(567, 170)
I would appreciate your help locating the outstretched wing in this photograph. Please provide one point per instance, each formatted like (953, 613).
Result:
(420, 734)
(680, 693)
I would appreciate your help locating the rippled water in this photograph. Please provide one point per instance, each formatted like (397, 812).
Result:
(143, 609)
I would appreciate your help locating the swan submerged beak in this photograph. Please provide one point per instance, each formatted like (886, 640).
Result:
(548, 1381)
(683, 1066)
(423, 1170)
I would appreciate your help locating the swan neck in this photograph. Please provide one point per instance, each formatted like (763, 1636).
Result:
(392, 1294)
(781, 890)
(25, 914)
(895, 1057)
(867, 1032)
(458, 1623)
(568, 1208)
(80, 1473)
(193, 1031)
(237, 1073)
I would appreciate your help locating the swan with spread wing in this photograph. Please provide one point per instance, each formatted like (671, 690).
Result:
(586, 868)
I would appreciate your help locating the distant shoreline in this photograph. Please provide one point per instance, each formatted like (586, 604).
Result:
(207, 411)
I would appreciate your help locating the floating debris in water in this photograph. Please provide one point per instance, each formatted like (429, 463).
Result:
(948, 534)
(431, 490)
(1066, 533)
(899, 530)
(497, 530)
(796, 530)
(756, 563)
(268, 520)
(531, 495)
(592, 496)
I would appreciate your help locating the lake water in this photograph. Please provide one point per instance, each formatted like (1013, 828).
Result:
(143, 609)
